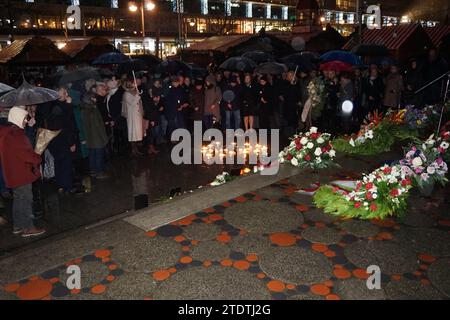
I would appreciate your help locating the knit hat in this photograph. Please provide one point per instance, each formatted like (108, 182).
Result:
(16, 116)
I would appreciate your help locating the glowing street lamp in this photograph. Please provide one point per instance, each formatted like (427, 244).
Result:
(143, 5)
(133, 7)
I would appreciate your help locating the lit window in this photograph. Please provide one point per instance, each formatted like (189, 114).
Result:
(115, 4)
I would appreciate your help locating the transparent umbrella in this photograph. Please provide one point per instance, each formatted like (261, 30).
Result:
(5, 88)
(27, 94)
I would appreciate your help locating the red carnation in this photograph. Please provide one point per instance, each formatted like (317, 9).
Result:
(307, 157)
(357, 205)
(289, 157)
(314, 136)
(406, 182)
(387, 170)
(369, 196)
(394, 192)
(373, 207)
(369, 185)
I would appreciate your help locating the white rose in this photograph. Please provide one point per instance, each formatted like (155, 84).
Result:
(417, 162)
(304, 140)
(444, 145)
(318, 152)
(310, 145)
(294, 162)
(313, 130)
(431, 170)
(320, 140)
(332, 153)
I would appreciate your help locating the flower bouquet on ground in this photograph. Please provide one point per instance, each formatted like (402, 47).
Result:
(309, 150)
(222, 178)
(317, 94)
(417, 118)
(377, 134)
(380, 194)
(425, 164)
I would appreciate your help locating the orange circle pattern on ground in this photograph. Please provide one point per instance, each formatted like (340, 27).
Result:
(290, 286)
(112, 267)
(301, 207)
(283, 239)
(226, 262)
(342, 273)
(179, 238)
(276, 286)
(260, 275)
(98, 289)
(332, 297)
(151, 233)
(110, 278)
(185, 248)
(385, 236)
(104, 253)
(241, 265)
(361, 274)
(319, 247)
(396, 277)
(224, 238)
(329, 254)
(252, 257)
(161, 275)
(172, 270)
(207, 263)
(215, 217)
(186, 259)
(11, 287)
(320, 289)
(34, 290)
(240, 199)
(427, 257)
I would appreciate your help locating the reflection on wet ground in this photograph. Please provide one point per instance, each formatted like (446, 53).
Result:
(154, 176)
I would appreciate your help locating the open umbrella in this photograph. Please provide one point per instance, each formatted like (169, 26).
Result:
(5, 88)
(336, 65)
(239, 64)
(27, 94)
(172, 67)
(81, 74)
(115, 57)
(298, 61)
(132, 65)
(339, 55)
(271, 68)
(258, 56)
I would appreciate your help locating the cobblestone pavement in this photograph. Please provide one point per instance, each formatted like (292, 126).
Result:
(270, 243)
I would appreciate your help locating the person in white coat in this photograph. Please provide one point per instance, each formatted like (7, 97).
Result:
(133, 111)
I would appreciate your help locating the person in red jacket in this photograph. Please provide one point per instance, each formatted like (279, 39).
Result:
(20, 166)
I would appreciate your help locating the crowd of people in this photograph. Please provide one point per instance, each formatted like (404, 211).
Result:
(122, 115)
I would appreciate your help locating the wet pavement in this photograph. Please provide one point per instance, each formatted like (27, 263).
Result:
(154, 177)
(268, 243)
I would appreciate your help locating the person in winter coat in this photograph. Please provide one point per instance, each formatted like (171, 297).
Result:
(291, 96)
(213, 97)
(265, 101)
(95, 133)
(434, 67)
(373, 90)
(133, 111)
(232, 101)
(394, 88)
(55, 116)
(197, 101)
(174, 106)
(20, 166)
(151, 114)
(118, 122)
(249, 102)
(413, 82)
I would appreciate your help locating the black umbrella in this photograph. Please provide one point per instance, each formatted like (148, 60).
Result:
(258, 56)
(5, 88)
(149, 59)
(132, 65)
(271, 68)
(27, 94)
(71, 76)
(111, 58)
(296, 60)
(239, 64)
(172, 67)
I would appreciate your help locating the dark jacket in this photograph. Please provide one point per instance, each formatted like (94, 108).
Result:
(236, 92)
(18, 160)
(197, 101)
(267, 93)
(114, 105)
(59, 116)
(174, 99)
(292, 96)
(151, 111)
(375, 89)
